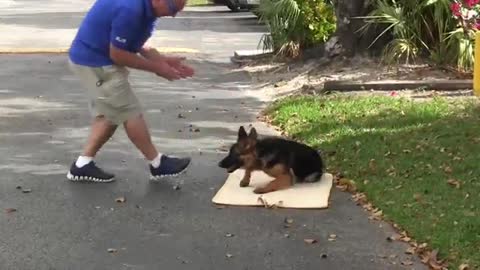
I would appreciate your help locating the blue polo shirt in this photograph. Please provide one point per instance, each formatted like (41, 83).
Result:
(127, 24)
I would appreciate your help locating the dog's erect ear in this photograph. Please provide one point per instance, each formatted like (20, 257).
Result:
(242, 134)
(253, 134)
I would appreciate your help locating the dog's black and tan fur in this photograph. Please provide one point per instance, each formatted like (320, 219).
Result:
(286, 161)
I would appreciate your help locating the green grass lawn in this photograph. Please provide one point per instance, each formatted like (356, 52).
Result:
(416, 161)
(192, 3)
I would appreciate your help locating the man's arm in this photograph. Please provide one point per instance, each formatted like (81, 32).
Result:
(133, 60)
(152, 54)
(125, 27)
(125, 58)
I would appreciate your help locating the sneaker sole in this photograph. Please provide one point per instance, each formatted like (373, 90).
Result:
(159, 177)
(75, 178)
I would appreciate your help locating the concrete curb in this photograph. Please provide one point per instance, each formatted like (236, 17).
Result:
(251, 53)
(243, 56)
(65, 50)
(439, 85)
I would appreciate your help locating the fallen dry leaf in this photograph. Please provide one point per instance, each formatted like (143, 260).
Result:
(464, 266)
(448, 169)
(454, 182)
(269, 205)
(432, 261)
(405, 239)
(120, 199)
(372, 165)
(421, 247)
(410, 251)
(360, 198)
(332, 237)
(310, 241)
(376, 215)
(347, 185)
(418, 197)
(368, 207)
(289, 220)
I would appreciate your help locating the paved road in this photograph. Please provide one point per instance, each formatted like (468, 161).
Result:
(63, 225)
(52, 24)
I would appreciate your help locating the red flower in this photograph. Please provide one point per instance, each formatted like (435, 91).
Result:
(455, 7)
(471, 3)
(477, 25)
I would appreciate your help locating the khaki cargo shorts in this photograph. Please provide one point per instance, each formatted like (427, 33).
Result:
(110, 93)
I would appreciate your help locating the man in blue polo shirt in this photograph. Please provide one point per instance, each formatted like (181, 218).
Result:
(111, 39)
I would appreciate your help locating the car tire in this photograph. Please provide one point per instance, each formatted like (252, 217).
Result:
(232, 5)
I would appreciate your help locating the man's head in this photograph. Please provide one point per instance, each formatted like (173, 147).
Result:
(164, 8)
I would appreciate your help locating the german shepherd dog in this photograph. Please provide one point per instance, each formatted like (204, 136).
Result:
(288, 162)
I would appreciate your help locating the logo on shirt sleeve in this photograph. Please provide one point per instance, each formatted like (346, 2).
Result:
(121, 40)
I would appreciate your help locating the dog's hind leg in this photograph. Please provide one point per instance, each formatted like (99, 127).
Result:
(283, 179)
(314, 177)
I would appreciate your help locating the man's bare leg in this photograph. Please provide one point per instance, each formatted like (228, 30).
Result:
(101, 131)
(137, 131)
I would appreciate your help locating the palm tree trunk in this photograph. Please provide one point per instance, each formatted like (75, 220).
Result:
(349, 41)
(347, 25)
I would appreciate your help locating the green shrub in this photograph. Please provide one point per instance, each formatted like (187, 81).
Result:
(296, 24)
(319, 20)
(422, 28)
(461, 40)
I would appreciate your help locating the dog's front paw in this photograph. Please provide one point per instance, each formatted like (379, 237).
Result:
(244, 183)
(260, 190)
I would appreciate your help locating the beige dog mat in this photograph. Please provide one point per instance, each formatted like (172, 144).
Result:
(303, 195)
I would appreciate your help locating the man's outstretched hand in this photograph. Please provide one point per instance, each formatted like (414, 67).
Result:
(163, 69)
(169, 67)
(176, 63)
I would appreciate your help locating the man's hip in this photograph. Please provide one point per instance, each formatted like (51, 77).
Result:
(110, 93)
